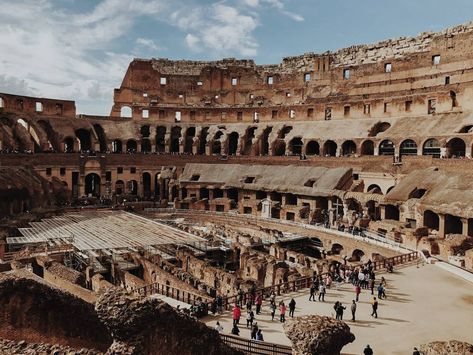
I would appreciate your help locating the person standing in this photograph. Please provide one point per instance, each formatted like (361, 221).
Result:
(235, 330)
(322, 292)
(272, 306)
(380, 291)
(292, 307)
(282, 312)
(249, 319)
(353, 310)
(312, 293)
(258, 302)
(374, 306)
(357, 292)
(254, 331)
(218, 327)
(340, 310)
(236, 313)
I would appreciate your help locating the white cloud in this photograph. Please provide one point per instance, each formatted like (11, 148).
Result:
(147, 43)
(251, 3)
(279, 5)
(221, 28)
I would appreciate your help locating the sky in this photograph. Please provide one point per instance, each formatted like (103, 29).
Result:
(80, 49)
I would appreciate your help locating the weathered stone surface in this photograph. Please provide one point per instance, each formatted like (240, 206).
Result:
(452, 347)
(317, 335)
(150, 326)
(24, 348)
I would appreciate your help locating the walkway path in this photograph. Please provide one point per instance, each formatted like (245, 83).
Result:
(424, 304)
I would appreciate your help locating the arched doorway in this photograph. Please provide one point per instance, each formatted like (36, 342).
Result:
(145, 145)
(131, 146)
(279, 147)
(348, 148)
(367, 148)
(453, 224)
(216, 147)
(85, 143)
(330, 149)
(119, 187)
(374, 189)
(357, 255)
(190, 135)
(336, 249)
(117, 146)
(233, 143)
(160, 139)
(386, 147)
(101, 136)
(408, 147)
(456, 148)
(431, 147)
(312, 148)
(133, 187)
(92, 185)
(69, 145)
(265, 141)
(295, 146)
(146, 177)
(249, 137)
(175, 139)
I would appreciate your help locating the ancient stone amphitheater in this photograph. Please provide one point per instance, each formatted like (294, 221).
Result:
(212, 182)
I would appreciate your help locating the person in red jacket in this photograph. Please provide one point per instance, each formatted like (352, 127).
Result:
(236, 314)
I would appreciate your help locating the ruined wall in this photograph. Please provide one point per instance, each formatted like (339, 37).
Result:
(30, 310)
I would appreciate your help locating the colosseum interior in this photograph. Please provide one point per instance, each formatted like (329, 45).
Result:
(212, 182)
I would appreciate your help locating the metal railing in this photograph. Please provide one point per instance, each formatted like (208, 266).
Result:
(171, 292)
(254, 346)
(367, 235)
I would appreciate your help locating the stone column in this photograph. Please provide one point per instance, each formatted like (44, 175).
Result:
(465, 226)
(376, 150)
(441, 226)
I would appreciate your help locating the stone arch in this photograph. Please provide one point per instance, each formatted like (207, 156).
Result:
(117, 146)
(312, 148)
(85, 140)
(102, 138)
(125, 112)
(431, 147)
(145, 145)
(50, 133)
(133, 187)
(456, 147)
(408, 147)
(389, 189)
(160, 139)
(336, 249)
(265, 141)
(284, 131)
(374, 189)
(131, 146)
(233, 143)
(119, 187)
(189, 142)
(367, 147)
(145, 131)
(386, 147)
(216, 147)
(69, 145)
(330, 148)
(391, 212)
(175, 139)
(357, 255)
(92, 185)
(279, 147)
(373, 210)
(431, 220)
(295, 146)
(348, 148)
(249, 136)
(203, 140)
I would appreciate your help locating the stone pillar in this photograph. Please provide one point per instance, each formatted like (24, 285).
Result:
(441, 226)
(207, 149)
(376, 150)
(465, 226)
(97, 146)
(443, 152)
(382, 212)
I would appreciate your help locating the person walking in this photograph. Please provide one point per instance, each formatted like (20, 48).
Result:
(357, 292)
(368, 350)
(258, 302)
(250, 316)
(282, 311)
(272, 306)
(380, 291)
(322, 292)
(374, 306)
(236, 314)
(292, 307)
(353, 310)
(312, 293)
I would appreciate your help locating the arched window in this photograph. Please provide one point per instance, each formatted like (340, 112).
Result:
(330, 149)
(125, 112)
(367, 148)
(408, 147)
(295, 145)
(348, 148)
(456, 147)
(431, 147)
(233, 143)
(312, 148)
(386, 147)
